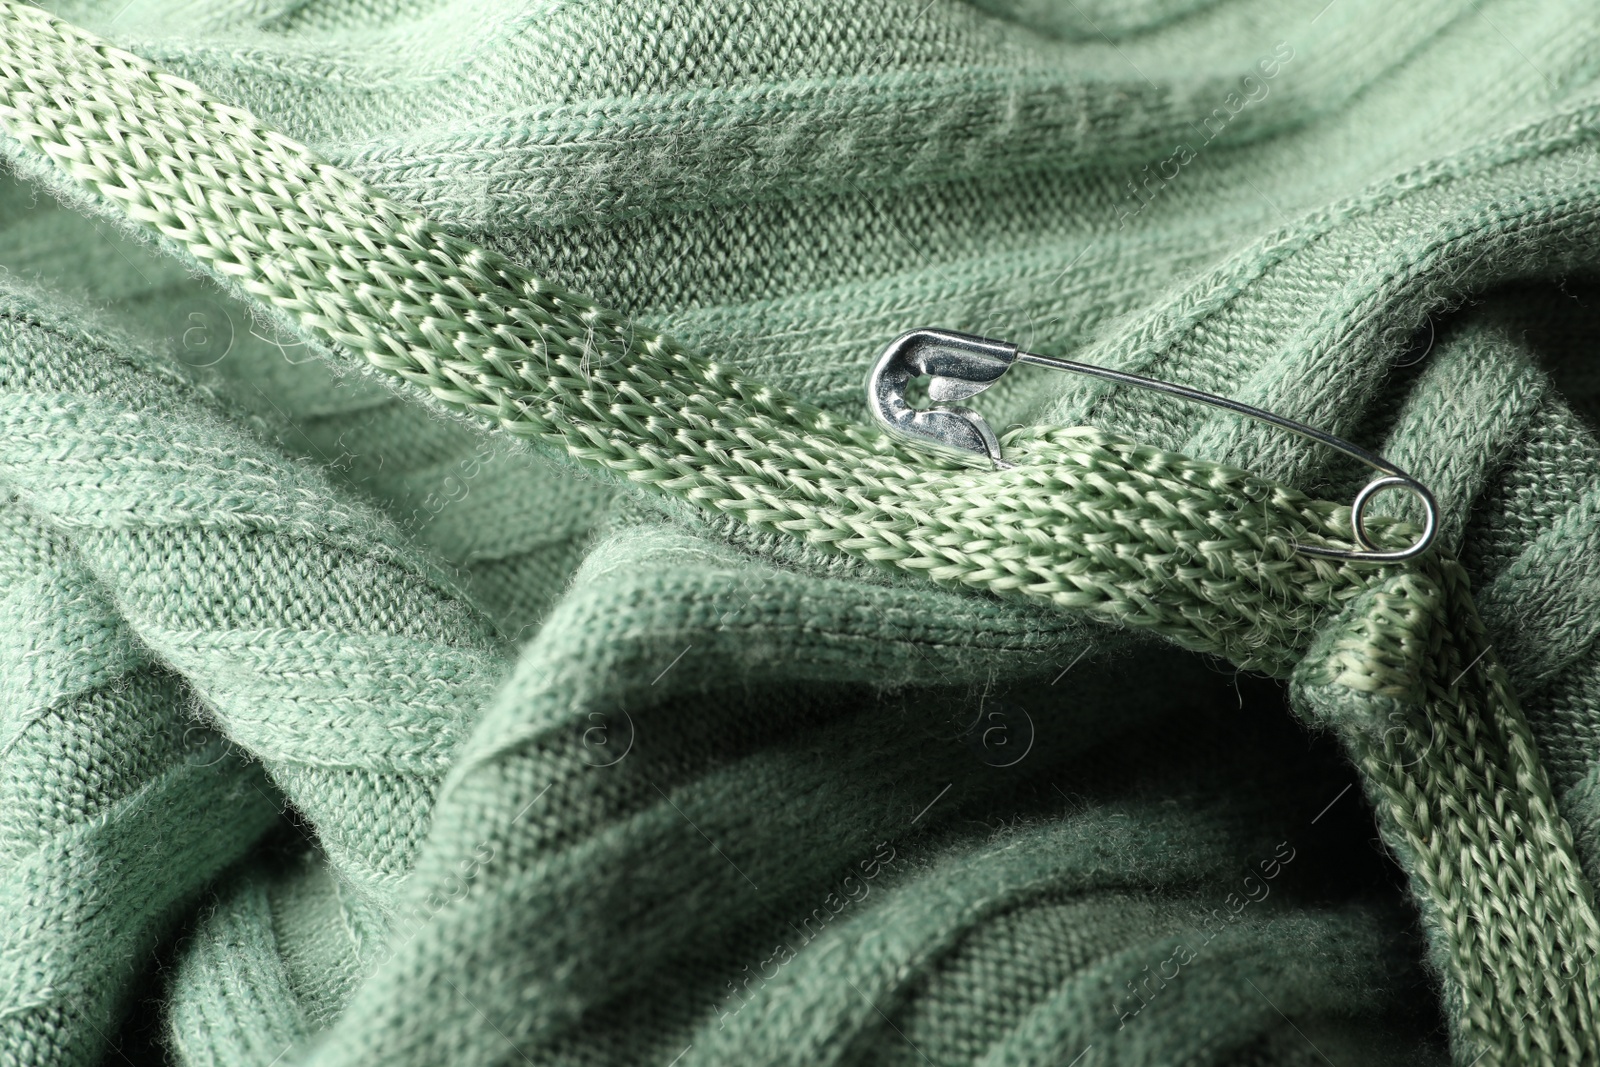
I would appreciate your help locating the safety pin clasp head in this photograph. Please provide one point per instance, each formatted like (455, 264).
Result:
(959, 366)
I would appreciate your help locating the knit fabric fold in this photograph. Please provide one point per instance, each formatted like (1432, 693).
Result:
(410, 660)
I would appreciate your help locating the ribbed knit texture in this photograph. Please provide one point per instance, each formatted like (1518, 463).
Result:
(586, 682)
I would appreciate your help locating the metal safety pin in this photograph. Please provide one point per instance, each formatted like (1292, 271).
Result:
(961, 366)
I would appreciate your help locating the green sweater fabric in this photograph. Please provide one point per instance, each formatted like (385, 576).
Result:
(455, 607)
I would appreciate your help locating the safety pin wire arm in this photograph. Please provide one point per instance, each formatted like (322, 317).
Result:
(1391, 477)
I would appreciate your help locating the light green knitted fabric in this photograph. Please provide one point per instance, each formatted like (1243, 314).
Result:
(586, 682)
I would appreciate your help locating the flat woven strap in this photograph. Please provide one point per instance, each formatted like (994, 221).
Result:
(1408, 677)
(1198, 551)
